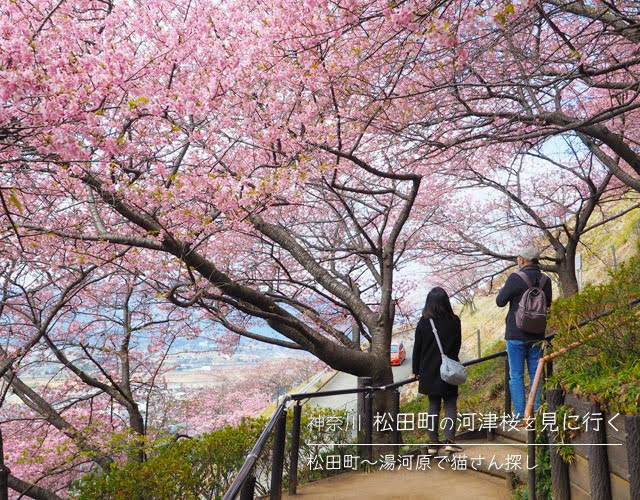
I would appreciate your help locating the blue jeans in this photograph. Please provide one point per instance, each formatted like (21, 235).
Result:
(518, 351)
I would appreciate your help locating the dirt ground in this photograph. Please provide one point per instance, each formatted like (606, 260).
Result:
(406, 485)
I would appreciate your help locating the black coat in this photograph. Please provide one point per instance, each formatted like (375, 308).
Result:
(511, 293)
(426, 355)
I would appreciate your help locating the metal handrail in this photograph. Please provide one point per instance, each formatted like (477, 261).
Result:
(338, 392)
(245, 470)
(252, 458)
(485, 358)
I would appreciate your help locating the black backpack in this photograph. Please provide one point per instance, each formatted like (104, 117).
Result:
(531, 314)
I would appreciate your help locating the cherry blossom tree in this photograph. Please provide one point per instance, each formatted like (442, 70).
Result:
(273, 166)
(85, 349)
(237, 393)
(103, 337)
(253, 210)
(524, 72)
(29, 308)
(105, 400)
(548, 198)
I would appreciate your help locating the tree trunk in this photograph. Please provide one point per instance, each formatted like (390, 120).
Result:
(566, 270)
(355, 328)
(4, 473)
(136, 423)
(382, 411)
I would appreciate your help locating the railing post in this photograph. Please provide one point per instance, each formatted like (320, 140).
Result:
(531, 463)
(4, 473)
(507, 390)
(362, 383)
(365, 409)
(632, 426)
(559, 468)
(248, 488)
(368, 424)
(395, 433)
(600, 481)
(278, 457)
(295, 447)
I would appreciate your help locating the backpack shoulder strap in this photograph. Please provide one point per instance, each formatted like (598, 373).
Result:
(543, 280)
(525, 278)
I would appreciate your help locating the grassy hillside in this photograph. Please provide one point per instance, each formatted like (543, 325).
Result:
(484, 389)
(597, 259)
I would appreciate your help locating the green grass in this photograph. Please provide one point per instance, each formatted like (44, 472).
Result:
(484, 389)
(483, 392)
(607, 365)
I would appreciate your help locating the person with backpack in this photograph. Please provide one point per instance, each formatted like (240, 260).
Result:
(437, 319)
(528, 293)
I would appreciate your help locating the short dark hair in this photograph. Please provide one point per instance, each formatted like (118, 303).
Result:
(535, 262)
(437, 305)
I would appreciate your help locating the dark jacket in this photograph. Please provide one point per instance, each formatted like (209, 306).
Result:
(511, 293)
(426, 355)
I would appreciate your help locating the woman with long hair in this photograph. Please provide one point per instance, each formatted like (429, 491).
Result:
(426, 366)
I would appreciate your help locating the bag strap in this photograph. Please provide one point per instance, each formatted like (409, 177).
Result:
(527, 281)
(435, 333)
(525, 278)
(543, 280)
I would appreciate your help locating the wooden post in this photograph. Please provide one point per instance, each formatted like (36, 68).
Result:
(295, 448)
(396, 431)
(4, 473)
(559, 468)
(528, 410)
(615, 260)
(531, 464)
(598, 462)
(632, 425)
(279, 438)
(507, 390)
(479, 348)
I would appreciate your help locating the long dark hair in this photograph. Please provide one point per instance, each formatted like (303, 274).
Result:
(437, 305)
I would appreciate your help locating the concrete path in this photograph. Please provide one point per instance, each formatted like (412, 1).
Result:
(490, 467)
(433, 484)
(343, 380)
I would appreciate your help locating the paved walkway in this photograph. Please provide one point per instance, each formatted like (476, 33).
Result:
(433, 484)
(343, 380)
(493, 483)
